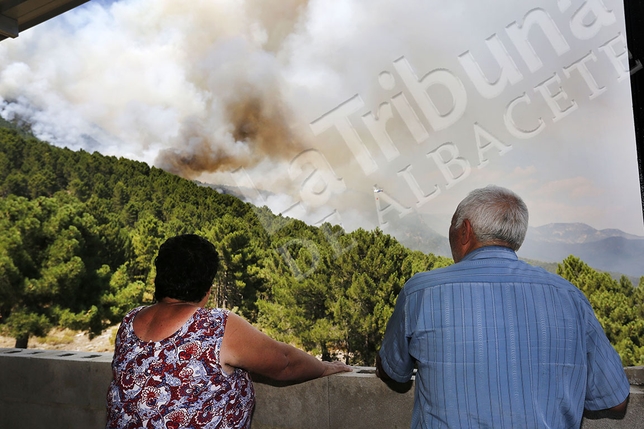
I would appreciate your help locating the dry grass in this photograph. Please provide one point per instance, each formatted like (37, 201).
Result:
(66, 339)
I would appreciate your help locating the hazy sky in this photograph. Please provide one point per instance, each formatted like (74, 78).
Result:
(319, 101)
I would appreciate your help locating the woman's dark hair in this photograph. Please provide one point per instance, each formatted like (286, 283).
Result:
(186, 267)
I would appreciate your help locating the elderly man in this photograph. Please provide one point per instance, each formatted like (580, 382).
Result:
(499, 343)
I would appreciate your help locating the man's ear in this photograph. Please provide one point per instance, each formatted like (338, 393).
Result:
(468, 239)
(466, 233)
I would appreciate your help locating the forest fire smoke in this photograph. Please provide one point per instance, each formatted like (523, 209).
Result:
(255, 125)
(209, 100)
(258, 127)
(206, 96)
(302, 94)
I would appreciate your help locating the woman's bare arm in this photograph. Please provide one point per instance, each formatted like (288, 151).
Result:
(245, 347)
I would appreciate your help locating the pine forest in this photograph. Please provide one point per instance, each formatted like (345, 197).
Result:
(79, 232)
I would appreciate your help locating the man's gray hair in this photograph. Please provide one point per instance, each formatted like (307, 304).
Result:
(496, 215)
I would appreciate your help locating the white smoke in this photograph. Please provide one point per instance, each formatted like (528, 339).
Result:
(207, 87)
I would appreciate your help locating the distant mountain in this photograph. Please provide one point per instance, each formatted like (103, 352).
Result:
(575, 233)
(414, 232)
(609, 250)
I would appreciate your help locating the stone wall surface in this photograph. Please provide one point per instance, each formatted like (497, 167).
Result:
(56, 389)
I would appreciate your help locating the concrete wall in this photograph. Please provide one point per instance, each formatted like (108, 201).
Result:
(53, 389)
(56, 389)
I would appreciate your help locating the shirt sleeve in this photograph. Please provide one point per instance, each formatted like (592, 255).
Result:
(394, 352)
(607, 385)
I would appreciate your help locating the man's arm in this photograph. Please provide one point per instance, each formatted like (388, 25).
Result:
(394, 350)
(393, 384)
(380, 372)
(606, 377)
(616, 413)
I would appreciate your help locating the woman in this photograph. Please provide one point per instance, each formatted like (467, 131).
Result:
(177, 364)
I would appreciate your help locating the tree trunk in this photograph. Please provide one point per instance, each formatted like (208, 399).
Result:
(326, 356)
(21, 342)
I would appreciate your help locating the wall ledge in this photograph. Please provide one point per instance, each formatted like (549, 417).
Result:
(56, 388)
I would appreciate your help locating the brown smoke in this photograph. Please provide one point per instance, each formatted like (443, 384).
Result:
(259, 125)
(257, 120)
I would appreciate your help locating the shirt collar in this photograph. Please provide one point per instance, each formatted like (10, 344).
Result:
(491, 252)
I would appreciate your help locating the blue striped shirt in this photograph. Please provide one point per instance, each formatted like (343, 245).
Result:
(500, 344)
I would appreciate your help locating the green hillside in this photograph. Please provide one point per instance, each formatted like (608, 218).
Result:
(79, 231)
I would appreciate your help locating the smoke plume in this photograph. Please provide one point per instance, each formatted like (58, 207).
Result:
(206, 87)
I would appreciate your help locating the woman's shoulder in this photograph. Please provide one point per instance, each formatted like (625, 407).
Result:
(212, 312)
(211, 320)
(132, 313)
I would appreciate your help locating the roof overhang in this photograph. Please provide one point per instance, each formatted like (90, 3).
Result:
(19, 15)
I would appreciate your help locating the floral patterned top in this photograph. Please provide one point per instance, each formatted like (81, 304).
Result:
(177, 382)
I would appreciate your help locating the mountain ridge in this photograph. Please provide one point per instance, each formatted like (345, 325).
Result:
(611, 250)
(575, 232)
